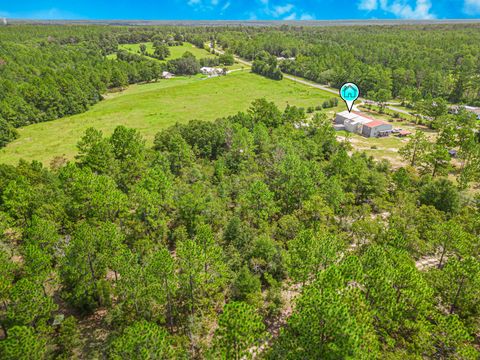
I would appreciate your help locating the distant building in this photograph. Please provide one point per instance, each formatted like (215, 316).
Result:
(376, 128)
(357, 123)
(474, 110)
(167, 75)
(342, 116)
(455, 109)
(211, 71)
(452, 153)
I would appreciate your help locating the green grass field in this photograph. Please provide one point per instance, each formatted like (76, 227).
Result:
(175, 51)
(152, 107)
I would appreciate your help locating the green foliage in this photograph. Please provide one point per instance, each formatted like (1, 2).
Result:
(239, 328)
(331, 321)
(257, 204)
(161, 51)
(23, 343)
(87, 259)
(29, 305)
(266, 65)
(308, 254)
(68, 337)
(459, 286)
(142, 340)
(246, 287)
(186, 65)
(441, 194)
(7, 133)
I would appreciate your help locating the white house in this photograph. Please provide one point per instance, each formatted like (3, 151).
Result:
(211, 71)
(166, 75)
(474, 110)
(352, 121)
(356, 124)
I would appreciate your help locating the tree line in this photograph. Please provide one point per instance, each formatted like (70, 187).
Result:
(411, 62)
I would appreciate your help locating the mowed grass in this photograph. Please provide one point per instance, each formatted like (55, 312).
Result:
(175, 51)
(155, 106)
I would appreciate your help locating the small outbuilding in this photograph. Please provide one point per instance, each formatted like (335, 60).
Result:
(167, 75)
(211, 71)
(376, 128)
(452, 153)
(403, 133)
(474, 110)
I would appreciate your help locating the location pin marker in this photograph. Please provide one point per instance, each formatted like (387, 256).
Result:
(349, 93)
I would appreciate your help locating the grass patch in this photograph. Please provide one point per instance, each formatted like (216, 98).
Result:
(152, 107)
(175, 51)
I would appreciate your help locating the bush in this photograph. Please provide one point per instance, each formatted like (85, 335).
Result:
(7, 133)
(226, 59)
(185, 65)
(247, 287)
(330, 103)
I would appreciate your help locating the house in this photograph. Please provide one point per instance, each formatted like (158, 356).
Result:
(356, 124)
(167, 75)
(474, 110)
(376, 128)
(210, 71)
(344, 115)
(455, 109)
(352, 121)
(207, 70)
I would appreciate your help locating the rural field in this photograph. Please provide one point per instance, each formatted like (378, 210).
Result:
(155, 106)
(175, 51)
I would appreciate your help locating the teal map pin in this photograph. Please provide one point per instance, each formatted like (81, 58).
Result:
(349, 93)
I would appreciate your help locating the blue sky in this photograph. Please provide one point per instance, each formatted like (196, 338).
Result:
(241, 10)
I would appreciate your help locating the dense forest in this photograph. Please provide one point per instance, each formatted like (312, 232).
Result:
(188, 249)
(411, 62)
(256, 235)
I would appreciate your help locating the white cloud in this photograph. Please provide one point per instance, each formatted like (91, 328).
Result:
(292, 16)
(281, 10)
(368, 5)
(405, 11)
(471, 7)
(226, 6)
(401, 8)
(306, 16)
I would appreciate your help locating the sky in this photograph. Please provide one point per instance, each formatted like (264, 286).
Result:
(240, 10)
